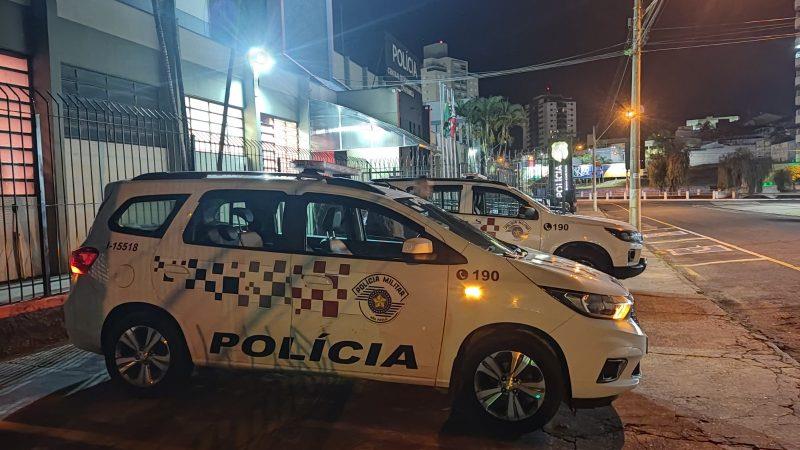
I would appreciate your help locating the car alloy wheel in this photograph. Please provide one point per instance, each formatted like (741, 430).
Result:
(509, 385)
(142, 356)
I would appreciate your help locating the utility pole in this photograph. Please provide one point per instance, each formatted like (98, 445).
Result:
(635, 202)
(594, 167)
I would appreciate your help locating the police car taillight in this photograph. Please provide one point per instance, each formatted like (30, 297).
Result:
(81, 260)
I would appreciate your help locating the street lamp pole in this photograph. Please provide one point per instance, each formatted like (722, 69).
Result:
(635, 202)
(594, 167)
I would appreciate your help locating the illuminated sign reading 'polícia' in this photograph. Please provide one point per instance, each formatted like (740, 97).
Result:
(401, 63)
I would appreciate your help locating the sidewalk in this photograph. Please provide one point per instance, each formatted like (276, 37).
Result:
(707, 379)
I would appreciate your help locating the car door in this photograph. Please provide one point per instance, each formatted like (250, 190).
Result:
(497, 212)
(226, 273)
(358, 306)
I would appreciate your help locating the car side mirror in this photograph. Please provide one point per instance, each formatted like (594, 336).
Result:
(417, 246)
(528, 212)
(418, 249)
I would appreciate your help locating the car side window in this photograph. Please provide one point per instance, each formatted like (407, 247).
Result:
(147, 215)
(495, 202)
(251, 219)
(339, 226)
(447, 197)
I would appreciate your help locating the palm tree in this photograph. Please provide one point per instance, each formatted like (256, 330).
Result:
(510, 115)
(491, 120)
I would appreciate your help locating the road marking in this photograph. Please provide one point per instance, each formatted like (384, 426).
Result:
(726, 261)
(736, 247)
(665, 234)
(677, 240)
(692, 273)
(698, 250)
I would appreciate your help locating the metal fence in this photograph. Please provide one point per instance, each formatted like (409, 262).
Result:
(57, 154)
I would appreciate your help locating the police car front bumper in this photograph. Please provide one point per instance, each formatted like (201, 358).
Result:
(630, 271)
(590, 346)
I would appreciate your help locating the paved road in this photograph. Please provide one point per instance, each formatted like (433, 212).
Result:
(745, 255)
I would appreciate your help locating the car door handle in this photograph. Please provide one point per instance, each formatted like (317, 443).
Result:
(174, 269)
(318, 282)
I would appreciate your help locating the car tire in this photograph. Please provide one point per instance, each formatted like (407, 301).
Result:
(146, 353)
(510, 403)
(588, 256)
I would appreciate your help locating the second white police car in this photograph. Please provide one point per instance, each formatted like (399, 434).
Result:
(330, 275)
(504, 212)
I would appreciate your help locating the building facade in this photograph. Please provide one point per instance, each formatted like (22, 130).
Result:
(439, 68)
(551, 118)
(95, 91)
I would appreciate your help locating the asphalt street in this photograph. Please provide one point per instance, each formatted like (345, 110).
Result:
(745, 255)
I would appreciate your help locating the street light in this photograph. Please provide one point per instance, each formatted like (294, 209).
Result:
(630, 114)
(260, 60)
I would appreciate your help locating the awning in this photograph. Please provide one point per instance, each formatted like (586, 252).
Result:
(335, 127)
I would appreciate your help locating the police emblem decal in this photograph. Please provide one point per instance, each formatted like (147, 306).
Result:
(380, 297)
(519, 230)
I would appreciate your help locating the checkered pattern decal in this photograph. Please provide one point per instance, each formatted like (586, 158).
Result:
(328, 302)
(252, 283)
(490, 228)
(266, 285)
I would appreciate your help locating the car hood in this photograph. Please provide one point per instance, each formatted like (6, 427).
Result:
(588, 220)
(548, 270)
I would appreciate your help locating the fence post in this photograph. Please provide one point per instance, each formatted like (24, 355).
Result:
(665, 195)
(606, 195)
(625, 194)
(41, 210)
(644, 194)
(687, 194)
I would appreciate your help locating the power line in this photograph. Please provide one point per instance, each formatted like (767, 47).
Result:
(745, 33)
(726, 24)
(562, 62)
(766, 38)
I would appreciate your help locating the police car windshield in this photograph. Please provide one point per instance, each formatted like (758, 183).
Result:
(458, 226)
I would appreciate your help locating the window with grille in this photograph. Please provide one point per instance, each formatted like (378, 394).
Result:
(447, 197)
(104, 107)
(495, 202)
(16, 128)
(205, 123)
(280, 140)
(100, 86)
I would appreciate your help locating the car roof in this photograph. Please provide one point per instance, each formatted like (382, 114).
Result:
(305, 176)
(449, 180)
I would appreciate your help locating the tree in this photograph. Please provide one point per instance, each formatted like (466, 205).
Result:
(677, 168)
(783, 179)
(755, 172)
(491, 120)
(670, 163)
(657, 170)
(509, 115)
(742, 169)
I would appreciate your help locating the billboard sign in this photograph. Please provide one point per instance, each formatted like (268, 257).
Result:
(401, 63)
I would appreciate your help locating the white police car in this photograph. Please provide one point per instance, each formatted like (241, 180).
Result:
(611, 246)
(319, 274)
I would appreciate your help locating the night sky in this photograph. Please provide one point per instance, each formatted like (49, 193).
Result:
(741, 79)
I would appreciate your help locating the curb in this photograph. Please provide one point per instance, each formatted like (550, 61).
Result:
(29, 306)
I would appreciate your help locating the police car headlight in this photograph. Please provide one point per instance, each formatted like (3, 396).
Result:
(615, 307)
(626, 235)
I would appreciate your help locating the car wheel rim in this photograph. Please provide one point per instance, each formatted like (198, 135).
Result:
(142, 356)
(509, 385)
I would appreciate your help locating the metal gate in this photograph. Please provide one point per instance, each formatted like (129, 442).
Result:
(57, 153)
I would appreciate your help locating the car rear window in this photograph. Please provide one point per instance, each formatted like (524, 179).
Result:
(148, 215)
